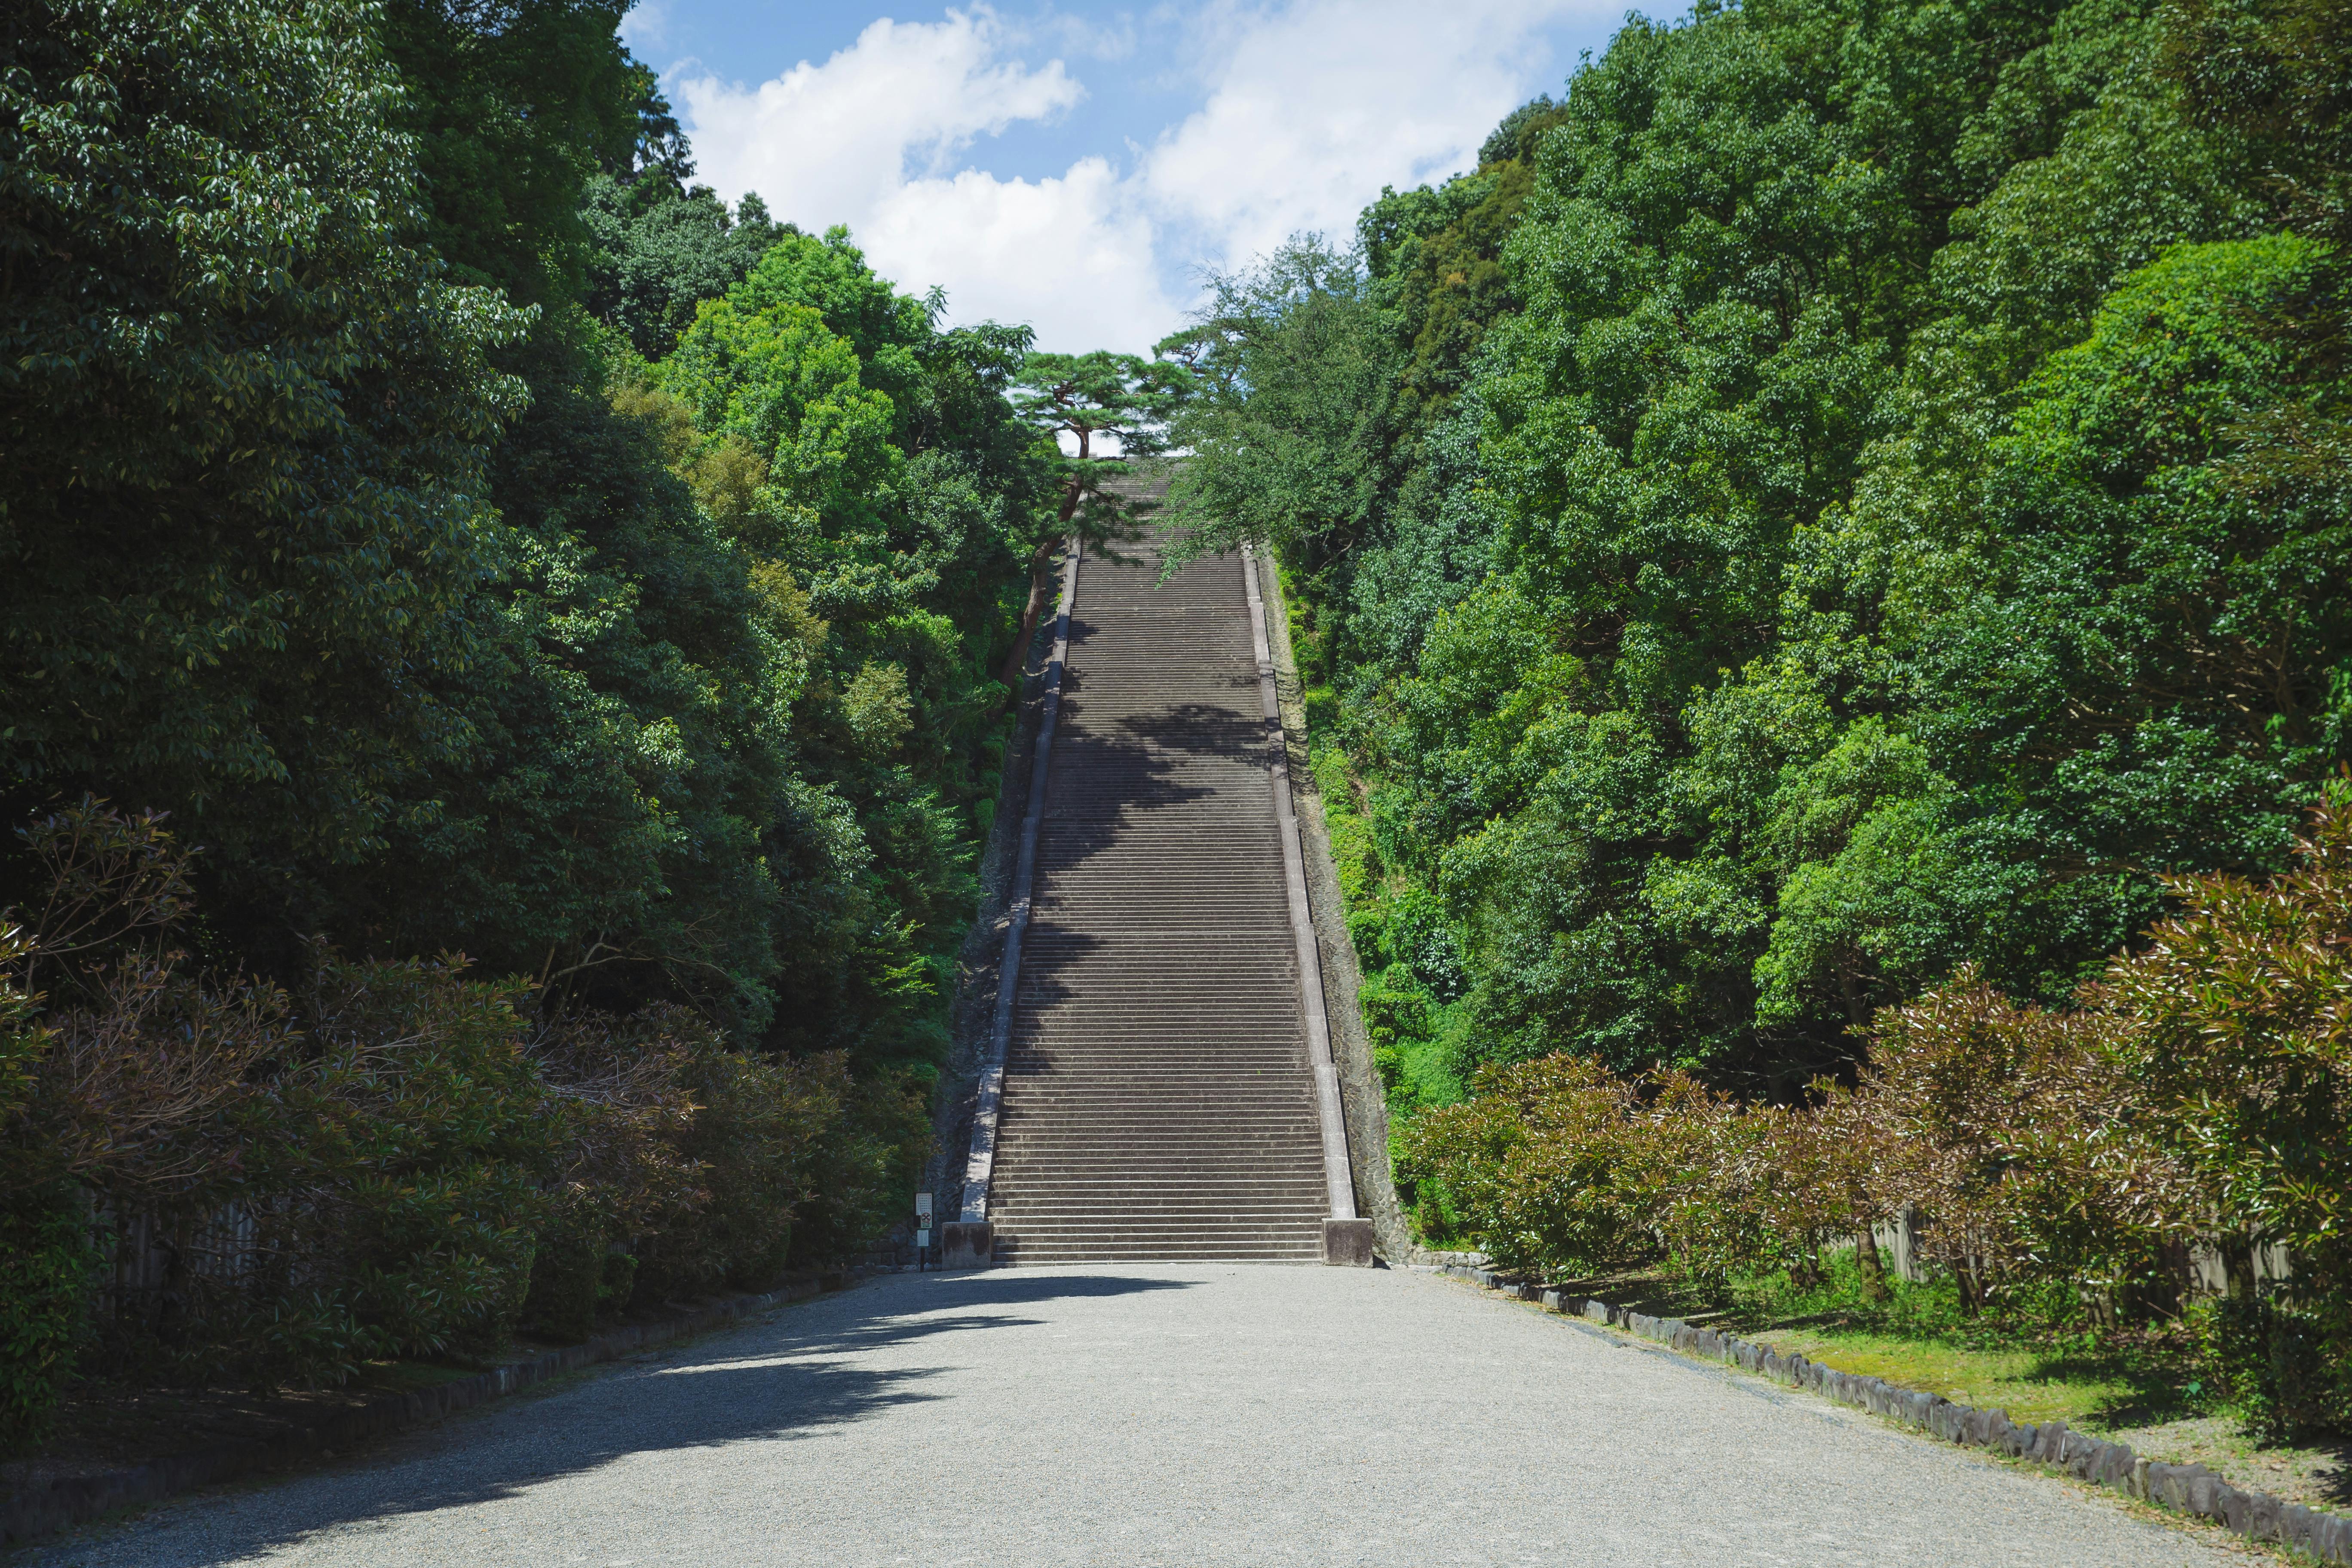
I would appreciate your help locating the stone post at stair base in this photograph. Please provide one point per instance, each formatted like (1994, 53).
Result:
(1348, 1243)
(967, 1244)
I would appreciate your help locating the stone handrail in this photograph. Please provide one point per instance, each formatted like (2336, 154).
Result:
(965, 1245)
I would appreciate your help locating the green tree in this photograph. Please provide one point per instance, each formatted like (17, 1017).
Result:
(513, 107)
(1080, 405)
(1760, 560)
(606, 833)
(1285, 427)
(658, 251)
(246, 420)
(870, 467)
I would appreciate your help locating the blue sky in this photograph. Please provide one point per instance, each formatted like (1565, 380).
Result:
(1075, 169)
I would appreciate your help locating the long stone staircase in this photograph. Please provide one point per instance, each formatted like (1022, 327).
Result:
(1158, 1097)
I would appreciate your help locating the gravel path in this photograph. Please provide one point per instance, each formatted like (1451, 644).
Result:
(1155, 1415)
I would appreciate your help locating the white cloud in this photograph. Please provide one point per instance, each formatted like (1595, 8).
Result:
(645, 26)
(1305, 110)
(1071, 255)
(1087, 37)
(828, 143)
(1315, 108)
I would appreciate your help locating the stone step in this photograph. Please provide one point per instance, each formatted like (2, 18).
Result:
(1158, 1102)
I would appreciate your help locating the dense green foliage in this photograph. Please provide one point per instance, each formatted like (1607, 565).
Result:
(389, 1159)
(1823, 570)
(1847, 493)
(660, 251)
(2057, 1165)
(246, 420)
(480, 541)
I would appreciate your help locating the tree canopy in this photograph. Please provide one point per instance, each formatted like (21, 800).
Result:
(471, 537)
(1813, 508)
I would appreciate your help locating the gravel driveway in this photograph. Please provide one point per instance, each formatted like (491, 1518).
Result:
(1154, 1415)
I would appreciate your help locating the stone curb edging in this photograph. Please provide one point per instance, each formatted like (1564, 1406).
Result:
(1338, 1175)
(2190, 1488)
(1363, 1098)
(69, 1501)
(972, 1245)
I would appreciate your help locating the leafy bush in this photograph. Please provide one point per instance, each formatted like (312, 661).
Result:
(1420, 938)
(2235, 1028)
(2057, 1162)
(2273, 1365)
(1393, 1013)
(755, 1138)
(1547, 1165)
(46, 1265)
(391, 1159)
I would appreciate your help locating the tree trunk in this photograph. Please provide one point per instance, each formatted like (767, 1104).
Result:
(2159, 1292)
(2237, 1266)
(1857, 1007)
(1016, 664)
(1874, 1268)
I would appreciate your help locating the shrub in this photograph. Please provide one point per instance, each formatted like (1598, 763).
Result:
(2058, 1161)
(755, 1143)
(2020, 1136)
(1545, 1164)
(391, 1159)
(1821, 1182)
(1420, 937)
(2236, 1030)
(46, 1263)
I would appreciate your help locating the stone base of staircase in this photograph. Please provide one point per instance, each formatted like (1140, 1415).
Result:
(1348, 1243)
(967, 1244)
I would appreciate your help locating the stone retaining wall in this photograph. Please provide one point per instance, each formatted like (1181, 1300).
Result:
(1365, 1098)
(2190, 1488)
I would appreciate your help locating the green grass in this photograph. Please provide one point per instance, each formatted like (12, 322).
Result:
(1418, 1070)
(2147, 1387)
(2032, 1359)
(2030, 1384)
(1426, 1075)
(1353, 855)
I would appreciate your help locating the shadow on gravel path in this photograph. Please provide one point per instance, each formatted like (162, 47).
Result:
(809, 1368)
(1209, 1416)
